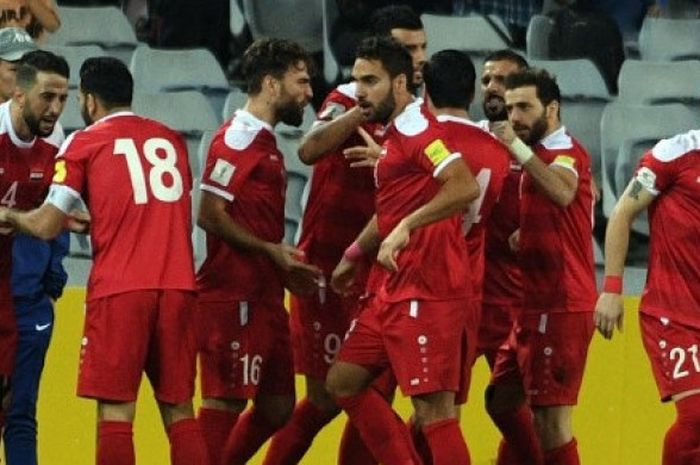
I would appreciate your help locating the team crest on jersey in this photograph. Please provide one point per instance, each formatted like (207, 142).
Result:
(222, 172)
(36, 175)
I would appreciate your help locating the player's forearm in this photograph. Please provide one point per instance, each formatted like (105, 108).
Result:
(368, 239)
(454, 196)
(45, 15)
(36, 223)
(550, 182)
(328, 136)
(617, 237)
(219, 224)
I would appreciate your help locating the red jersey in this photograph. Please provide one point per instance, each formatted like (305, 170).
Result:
(244, 167)
(489, 161)
(556, 249)
(134, 176)
(434, 265)
(671, 171)
(26, 169)
(341, 199)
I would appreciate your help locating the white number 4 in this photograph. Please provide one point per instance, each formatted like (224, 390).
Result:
(159, 167)
(10, 198)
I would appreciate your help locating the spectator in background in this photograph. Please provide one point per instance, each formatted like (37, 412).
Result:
(34, 16)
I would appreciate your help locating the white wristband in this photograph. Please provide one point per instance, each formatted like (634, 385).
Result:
(520, 151)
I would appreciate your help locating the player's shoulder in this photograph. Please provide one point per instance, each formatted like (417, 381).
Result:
(344, 94)
(414, 120)
(242, 131)
(676, 147)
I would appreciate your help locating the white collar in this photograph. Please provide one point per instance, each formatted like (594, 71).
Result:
(558, 140)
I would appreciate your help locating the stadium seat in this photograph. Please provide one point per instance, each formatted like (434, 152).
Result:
(75, 55)
(537, 37)
(106, 26)
(584, 96)
(472, 34)
(663, 39)
(237, 22)
(332, 71)
(199, 243)
(638, 124)
(188, 112)
(291, 231)
(71, 119)
(286, 19)
(157, 70)
(234, 100)
(653, 82)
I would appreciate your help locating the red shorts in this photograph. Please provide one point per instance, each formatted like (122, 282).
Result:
(129, 333)
(422, 342)
(245, 349)
(672, 349)
(496, 324)
(8, 337)
(471, 332)
(318, 325)
(546, 353)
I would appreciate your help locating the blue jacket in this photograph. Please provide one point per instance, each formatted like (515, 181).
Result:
(37, 268)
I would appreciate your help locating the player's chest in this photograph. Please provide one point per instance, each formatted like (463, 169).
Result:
(24, 177)
(270, 174)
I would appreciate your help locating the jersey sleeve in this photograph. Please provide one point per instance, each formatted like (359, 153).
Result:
(69, 180)
(227, 169)
(570, 160)
(432, 153)
(653, 174)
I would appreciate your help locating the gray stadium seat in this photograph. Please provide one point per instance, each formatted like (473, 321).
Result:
(71, 119)
(637, 124)
(286, 19)
(291, 228)
(332, 71)
(188, 112)
(473, 34)
(237, 21)
(663, 39)
(157, 70)
(106, 26)
(653, 82)
(234, 100)
(584, 96)
(75, 55)
(199, 243)
(537, 37)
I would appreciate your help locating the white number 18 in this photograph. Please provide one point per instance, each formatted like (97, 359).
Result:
(152, 150)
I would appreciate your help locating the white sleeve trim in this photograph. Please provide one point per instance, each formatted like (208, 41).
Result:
(216, 191)
(441, 166)
(647, 178)
(563, 165)
(63, 197)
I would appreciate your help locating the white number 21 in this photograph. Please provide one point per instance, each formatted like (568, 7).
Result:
(153, 151)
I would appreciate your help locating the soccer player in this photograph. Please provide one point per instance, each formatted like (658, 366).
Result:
(415, 324)
(666, 183)
(29, 141)
(341, 202)
(134, 176)
(556, 256)
(246, 351)
(38, 276)
(449, 83)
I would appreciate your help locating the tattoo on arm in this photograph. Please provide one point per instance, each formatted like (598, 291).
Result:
(635, 189)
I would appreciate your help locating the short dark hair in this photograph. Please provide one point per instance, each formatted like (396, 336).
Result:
(391, 17)
(507, 54)
(393, 56)
(39, 61)
(544, 83)
(109, 80)
(271, 57)
(449, 79)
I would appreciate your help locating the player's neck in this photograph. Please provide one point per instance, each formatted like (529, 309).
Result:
(403, 100)
(552, 128)
(19, 125)
(262, 109)
(457, 112)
